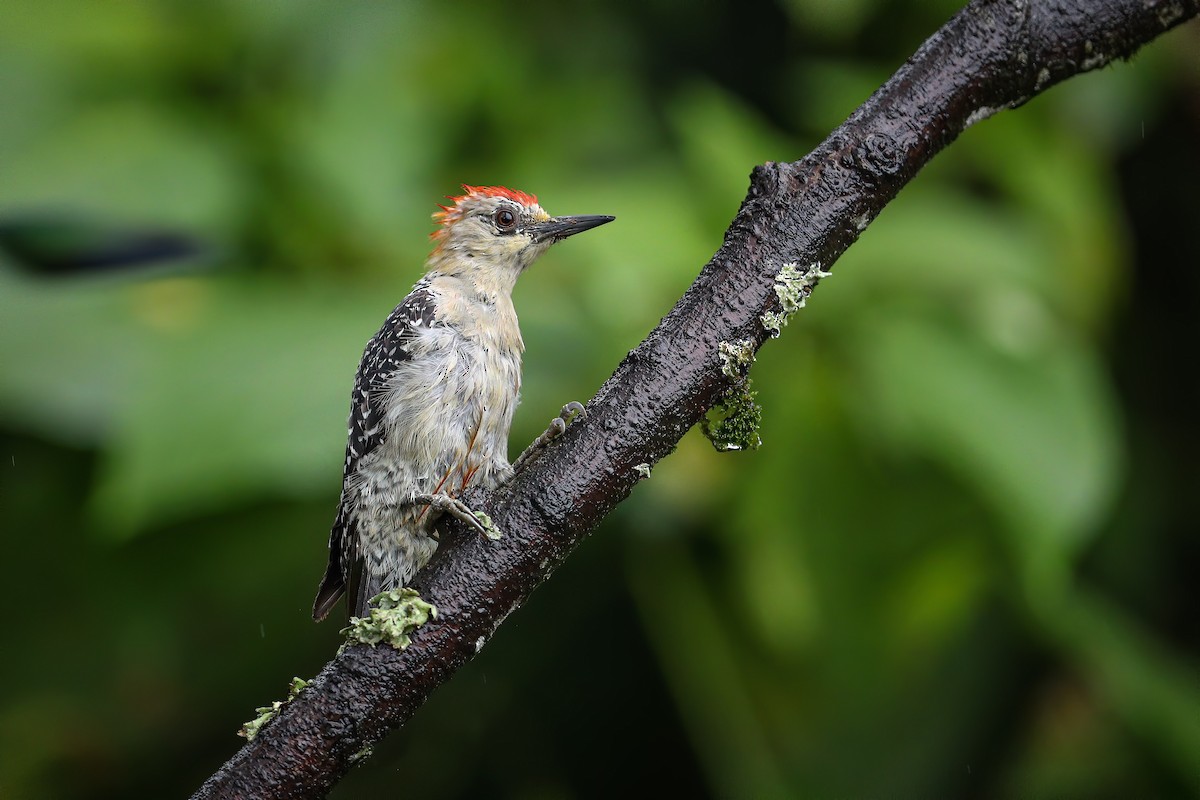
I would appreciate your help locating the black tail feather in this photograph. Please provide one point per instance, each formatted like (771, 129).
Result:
(333, 586)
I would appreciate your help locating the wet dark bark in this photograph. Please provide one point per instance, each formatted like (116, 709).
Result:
(993, 55)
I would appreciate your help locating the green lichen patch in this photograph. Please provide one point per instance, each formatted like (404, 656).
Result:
(736, 357)
(267, 713)
(733, 424)
(393, 617)
(793, 285)
(490, 529)
(362, 755)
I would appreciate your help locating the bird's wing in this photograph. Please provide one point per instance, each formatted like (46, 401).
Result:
(383, 354)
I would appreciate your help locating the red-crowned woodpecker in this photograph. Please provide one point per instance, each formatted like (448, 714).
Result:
(435, 392)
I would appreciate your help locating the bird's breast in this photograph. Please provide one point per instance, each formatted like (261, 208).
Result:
(449, 408)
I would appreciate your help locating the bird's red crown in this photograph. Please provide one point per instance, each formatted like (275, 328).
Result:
(452, 213)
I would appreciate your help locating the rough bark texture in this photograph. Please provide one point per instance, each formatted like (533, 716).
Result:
(995, 54)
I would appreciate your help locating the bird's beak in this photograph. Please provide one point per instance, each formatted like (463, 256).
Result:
(558, 228)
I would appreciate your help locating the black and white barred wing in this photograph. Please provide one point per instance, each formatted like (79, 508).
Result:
(383, 354)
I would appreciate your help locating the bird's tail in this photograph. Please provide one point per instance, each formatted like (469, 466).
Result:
(364, 587)
(332, 587)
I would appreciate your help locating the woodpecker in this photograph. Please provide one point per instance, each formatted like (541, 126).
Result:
(435, 392)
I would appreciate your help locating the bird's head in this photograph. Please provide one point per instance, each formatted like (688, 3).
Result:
(494, 228)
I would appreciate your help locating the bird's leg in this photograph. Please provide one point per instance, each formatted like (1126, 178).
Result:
(444, 503)
(558, 426)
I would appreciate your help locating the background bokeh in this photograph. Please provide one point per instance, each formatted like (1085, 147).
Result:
(961, 564)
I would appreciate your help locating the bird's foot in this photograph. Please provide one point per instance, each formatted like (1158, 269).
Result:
(558, 426)
(475, 520)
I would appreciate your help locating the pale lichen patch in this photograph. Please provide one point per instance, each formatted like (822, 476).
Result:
(362, 755)
(267, 713)
(736, 357)
(980, 114)
(793, 285)
(490, 529)
(393, 617)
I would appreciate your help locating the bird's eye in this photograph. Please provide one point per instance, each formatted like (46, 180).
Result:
(506, 220)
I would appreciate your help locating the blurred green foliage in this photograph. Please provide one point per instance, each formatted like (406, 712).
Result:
(961, 564)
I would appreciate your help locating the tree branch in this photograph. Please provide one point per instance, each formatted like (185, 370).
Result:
(995, 54)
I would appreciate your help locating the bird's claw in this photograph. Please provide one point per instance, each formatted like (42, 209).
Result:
(557, 427)
(444, 503)
(569, 412)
